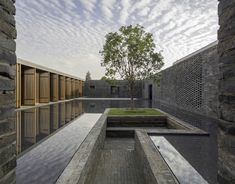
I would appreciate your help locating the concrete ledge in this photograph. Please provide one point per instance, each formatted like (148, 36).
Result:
(139, 120)
(81, 165)
(175, 123)
(154, 166)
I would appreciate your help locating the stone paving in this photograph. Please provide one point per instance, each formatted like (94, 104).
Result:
(117, 164)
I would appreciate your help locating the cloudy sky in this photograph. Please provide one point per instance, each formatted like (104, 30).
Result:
(67, 35)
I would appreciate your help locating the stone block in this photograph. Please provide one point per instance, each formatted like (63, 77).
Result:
(226, 31)
(6, 17)
(226, 172)
(228, 72)
(7, 139)
(228, 86)
(7, 29)
(226, 47)
(7, 43)
(7, 57)
(7, 152)
(7, 167)
(7, 71)
(7, 100)
(7, 126)
(227, 16)
(9, 178)
(227, 113)
(227, 60)
(8, 5)
(6, 84)
(225, 4)
(6, 112)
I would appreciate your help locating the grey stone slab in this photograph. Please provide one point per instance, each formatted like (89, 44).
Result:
(8, 29)
(7, 57)
(181, 168)
(8, 5)
(44, 163)
(7, 43)
(154, 167)
(85, 157)
(6, 84)
(6, 17)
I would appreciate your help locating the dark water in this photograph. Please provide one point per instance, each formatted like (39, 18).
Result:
(200, 151)
(46, 140)
(35, 125)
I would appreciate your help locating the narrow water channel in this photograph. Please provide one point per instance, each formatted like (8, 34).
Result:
(117, 164)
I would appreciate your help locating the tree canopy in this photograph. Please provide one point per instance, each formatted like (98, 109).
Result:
(130, 54)
(88, 76)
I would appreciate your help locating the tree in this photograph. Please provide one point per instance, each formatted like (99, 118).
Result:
(130, 55)
(103, 78)
(88, 76)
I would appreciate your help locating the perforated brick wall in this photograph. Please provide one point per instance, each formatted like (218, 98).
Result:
(191, 84)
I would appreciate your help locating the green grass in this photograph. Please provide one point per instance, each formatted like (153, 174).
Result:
(135, 111)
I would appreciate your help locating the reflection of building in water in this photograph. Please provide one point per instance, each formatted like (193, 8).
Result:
(99, 106)
(36, 124)
(37, 84)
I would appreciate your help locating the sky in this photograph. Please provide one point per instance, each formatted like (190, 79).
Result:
(67, 35)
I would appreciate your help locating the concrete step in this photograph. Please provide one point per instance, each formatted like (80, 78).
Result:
(160, 123)
(127, 132)
(137, 121)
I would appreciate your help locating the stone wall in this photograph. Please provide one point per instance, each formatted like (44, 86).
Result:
(7, 92)
(102, 89)
(226, 50)
(190, 85)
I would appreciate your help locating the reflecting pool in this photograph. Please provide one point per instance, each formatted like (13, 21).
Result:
(41, 126)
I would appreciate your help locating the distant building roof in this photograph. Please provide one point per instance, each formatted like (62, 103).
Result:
(28, 63)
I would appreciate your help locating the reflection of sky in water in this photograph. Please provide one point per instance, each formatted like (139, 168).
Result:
(183, 171)
(44, 163)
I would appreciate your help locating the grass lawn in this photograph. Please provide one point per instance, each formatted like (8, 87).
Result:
(136, 111)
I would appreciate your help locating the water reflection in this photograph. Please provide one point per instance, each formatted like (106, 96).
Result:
(98, 106)
(35, 124)
(181, 168)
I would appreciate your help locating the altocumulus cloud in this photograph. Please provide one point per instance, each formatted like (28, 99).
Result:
(67, 35)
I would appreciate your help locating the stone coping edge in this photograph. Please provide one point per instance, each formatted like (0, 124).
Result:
(179, 124)
(81, 164)
(156, 170)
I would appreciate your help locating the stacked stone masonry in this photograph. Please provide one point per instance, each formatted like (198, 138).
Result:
(7, 91)
(226, 51)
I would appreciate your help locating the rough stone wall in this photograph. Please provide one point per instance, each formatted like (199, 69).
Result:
(226, 50)
(102, 89)
(191, 85)
(7, 92)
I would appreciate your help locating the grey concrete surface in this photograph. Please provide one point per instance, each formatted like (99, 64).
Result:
(117, 164)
